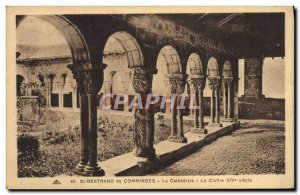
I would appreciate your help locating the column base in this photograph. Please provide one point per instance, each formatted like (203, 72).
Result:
(177, 139)
(227, 119)
(215, 125)
(93, 171)
(199, 130)
(145, 152)
(79, 169)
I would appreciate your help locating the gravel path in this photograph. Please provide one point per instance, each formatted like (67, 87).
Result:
(256, 148)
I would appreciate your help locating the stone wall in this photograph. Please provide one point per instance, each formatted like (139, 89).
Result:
(266, 108)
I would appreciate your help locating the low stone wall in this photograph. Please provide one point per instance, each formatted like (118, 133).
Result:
(265, 108)
(167, 152)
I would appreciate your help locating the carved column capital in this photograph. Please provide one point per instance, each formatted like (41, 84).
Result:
(176, 83)
(214, 82)
(94, 80)
(73, 85)
(89, 81)
(227, 80)
(142, 80)
(48, 80)
(80, 76)
(198, 81)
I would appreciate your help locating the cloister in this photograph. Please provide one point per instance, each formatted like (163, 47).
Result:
(125, 49)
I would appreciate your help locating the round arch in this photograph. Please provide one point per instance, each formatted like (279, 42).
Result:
(194, 65)
(121, 53)
(212, 67)
(167, 62)
(128, 44)
(70, 32)
(172, 59)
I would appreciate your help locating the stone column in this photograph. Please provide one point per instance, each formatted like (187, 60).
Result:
(201, 107)
(190, 92)
(89, 82)
(94, 81)
(229, 100)
(60, 103)
(171, 108)
(92, 168)
(214, 83)
(144, 118)
(212, 105)
(180, 135)
(84, 133)
(196, 112)
(80, 77)
(125, 89)
(61, 93)
(227, 104)
(225, 99)
(107, 100)
(173, 122)
(176, 83)
(168, 104)
(198, 83)
(74, 95)
(75, 98)
(48, 83)
(217, 104)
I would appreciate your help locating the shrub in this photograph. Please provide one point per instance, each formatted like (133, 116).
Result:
(28, 145)
(58, 137)
(28, 154)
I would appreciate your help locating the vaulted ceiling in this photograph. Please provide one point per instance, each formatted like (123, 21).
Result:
(252, 34)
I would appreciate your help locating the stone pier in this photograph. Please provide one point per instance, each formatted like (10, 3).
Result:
(253, 79)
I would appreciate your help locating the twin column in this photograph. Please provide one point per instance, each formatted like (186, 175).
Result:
(89, 82)
(227, 99)
(198, 83)
(214, 84)
(176, 84)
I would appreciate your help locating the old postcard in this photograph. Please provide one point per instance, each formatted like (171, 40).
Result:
(150, 98)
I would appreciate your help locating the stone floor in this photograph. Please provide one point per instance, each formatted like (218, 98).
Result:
(166, 152)
(258, 147)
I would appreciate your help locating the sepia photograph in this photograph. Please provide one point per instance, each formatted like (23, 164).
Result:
(150, 98)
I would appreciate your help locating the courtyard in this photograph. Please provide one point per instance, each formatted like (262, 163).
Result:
(255, 148)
